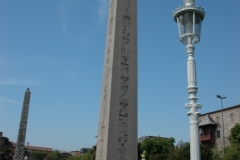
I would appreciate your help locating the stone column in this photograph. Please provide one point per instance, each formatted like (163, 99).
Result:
(117, 133)
(19, 152)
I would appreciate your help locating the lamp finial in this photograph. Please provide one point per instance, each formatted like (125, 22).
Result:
(189, 3)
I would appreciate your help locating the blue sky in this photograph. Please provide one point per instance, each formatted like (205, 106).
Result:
(56, 48)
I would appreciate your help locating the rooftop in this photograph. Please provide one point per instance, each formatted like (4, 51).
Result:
(206, 121)
(224, 109)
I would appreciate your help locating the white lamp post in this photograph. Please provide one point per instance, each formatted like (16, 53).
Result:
(189, 18)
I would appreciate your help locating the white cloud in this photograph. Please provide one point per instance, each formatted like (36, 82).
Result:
(103, 9)
(64, 9)
(2, 99)
(16, 82)
(63, 14)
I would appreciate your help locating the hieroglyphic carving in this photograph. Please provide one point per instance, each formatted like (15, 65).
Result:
(124, 81)
(19, 153)
(108, 70)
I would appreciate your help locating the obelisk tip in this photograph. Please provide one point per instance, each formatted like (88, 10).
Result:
(28, 90)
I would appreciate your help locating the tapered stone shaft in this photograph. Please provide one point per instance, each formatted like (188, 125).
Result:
(117, 133)
(19, 152)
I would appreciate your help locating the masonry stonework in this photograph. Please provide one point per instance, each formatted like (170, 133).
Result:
(19, 153)
(117, 129)
(231, 116)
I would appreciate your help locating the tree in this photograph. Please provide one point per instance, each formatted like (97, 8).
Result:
(231, 153)
(56, 155)
(217, 155)
(37, 155)
(140, 151)
(87, 156)
(153, 146)
(90, 155)
(234, 136)
(6, 153)
(74, 158)
(93, 152)
(163, 149)
(158, 157)
(206, 152)
(183, 151)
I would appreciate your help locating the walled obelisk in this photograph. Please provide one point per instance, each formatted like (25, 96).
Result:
(117, 132)
(19, 152)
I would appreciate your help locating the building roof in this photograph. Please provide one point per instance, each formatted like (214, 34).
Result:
(219, 110)
(206, 121)
(12, 143)
(65, 152)
(38, 148)
(75, 153)
(33, 147)
(85, 150)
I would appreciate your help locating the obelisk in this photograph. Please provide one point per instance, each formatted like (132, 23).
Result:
(117, 132)
(19, 152)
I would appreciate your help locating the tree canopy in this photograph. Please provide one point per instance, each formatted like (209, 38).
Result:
(55, 155)
(234, 136)
(37, 155)
(153, 146)
(6, 153)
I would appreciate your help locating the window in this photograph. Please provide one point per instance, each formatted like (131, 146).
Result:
(218, 134)
(217, 119)
(231, 117)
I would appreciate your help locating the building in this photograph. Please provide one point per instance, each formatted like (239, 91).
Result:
(67, 154)
(212, 123)
(84, 150)
(75, 153)
(4, 142)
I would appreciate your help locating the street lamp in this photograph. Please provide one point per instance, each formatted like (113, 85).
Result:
(143, 155)
(218, 96)
(189, 19)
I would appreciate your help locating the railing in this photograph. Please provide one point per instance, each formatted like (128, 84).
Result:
(205, 138)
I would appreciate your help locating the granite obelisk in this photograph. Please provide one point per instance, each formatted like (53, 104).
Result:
(117, 131)
(19, 152)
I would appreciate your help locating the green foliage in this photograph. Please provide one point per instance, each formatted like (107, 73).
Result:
(234, 136)
(140, 151)
(74, 158)
(90, 155)
(37, 155)
(173, 153)
(182, 151)
(6, 153)
(153, 146)
(87, 156)
(55, 155)
(206, 152)
(158, 157)
(231, 153)
(93, 152)
(217, 156)
(164, 149)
